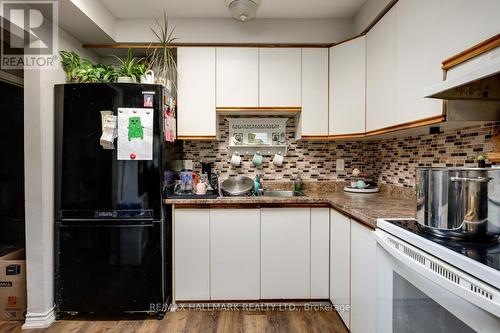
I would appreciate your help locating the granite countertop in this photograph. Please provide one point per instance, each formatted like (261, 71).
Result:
(364, 208)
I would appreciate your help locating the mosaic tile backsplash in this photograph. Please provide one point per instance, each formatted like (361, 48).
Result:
(388, 161)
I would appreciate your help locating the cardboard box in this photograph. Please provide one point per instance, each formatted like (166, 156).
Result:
(13, 286)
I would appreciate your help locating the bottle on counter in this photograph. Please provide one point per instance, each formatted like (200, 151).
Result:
(298, 184)
(257, 185)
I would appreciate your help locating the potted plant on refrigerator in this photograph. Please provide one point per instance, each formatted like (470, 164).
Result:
(80, 70)
(161, 58)
(131, 68)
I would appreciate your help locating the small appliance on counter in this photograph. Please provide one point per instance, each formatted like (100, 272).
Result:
(191, 185)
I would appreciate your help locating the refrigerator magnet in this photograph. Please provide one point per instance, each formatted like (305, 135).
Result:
(148, 100)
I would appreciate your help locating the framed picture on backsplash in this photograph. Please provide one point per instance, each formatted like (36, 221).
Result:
(257, 131)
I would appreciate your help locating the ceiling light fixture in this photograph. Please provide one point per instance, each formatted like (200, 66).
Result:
(243, 10)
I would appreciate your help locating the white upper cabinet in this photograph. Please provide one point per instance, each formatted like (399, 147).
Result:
(467, 23)
(196, 91)
(285, 253)
(380, 73)
(279, 77)
(314, 115)
(235, 254)
(237, 77)
(347, 87)
(419, 53)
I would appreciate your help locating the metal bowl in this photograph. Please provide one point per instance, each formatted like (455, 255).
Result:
(237, 186)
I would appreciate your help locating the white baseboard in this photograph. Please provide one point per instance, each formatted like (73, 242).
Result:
(39, 320)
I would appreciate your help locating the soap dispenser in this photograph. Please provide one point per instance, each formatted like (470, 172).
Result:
(257, 185)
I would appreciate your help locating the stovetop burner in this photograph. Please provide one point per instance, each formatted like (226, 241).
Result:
(485, 251)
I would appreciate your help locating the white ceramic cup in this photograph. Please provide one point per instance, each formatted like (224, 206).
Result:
(278, 160)
(201, 188)
(235, 160)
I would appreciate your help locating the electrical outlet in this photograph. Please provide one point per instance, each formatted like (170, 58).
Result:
(340, 165)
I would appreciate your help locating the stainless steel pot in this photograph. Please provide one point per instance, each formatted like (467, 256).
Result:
(237, 186)
(458, 202)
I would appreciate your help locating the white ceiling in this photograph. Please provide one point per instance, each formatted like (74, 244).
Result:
(217, 8)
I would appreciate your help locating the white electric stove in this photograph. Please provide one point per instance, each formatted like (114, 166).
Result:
(431, 284)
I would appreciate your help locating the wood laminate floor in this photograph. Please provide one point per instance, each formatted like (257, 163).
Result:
(203, 321)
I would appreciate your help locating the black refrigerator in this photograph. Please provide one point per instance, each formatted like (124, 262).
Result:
(112, 242)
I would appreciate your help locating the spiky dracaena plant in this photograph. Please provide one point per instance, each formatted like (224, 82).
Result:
(161, 58)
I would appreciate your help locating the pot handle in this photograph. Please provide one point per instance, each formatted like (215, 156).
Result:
(468, 179)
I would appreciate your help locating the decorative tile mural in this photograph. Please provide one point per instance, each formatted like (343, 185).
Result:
(388, 161)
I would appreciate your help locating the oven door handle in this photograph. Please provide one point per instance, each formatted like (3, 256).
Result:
(441, 273)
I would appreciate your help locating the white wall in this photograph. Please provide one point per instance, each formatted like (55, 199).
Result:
(367, 13)
(39, 179)
(227, 30)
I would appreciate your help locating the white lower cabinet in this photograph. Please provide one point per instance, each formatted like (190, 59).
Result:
(268, 253)
(285, 253)
(340, 263)
(320, 246)
(235, 254)
(192, 254)
(363, 279)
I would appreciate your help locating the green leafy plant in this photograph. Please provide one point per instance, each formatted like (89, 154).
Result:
(161, 57)
(83, 71)
(71, 63)
(131, 66)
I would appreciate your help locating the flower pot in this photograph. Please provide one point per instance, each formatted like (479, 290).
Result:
(125, 79)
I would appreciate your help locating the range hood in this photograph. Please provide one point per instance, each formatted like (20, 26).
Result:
(471, 90)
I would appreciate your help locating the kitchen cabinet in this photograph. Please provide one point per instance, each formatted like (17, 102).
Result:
(380, 73)
(363, 279)
(237, 77)
(285, 253)
(279, 77)
(320, 246)
(347, 87)
(314, 115)
(192, 254)
(340, 263)
(235, 254)
(467, 23)
(196, 116)
(419, 53)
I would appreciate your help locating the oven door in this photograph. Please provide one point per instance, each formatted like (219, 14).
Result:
(419, 293)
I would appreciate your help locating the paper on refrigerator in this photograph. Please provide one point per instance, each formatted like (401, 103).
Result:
(135, 134)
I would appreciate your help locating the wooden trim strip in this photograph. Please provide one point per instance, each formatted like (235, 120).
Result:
(246, 108)
(196, 137)
(315, 138)
(412, 124)
(472, 52)
(176, 45)
(347, 136)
